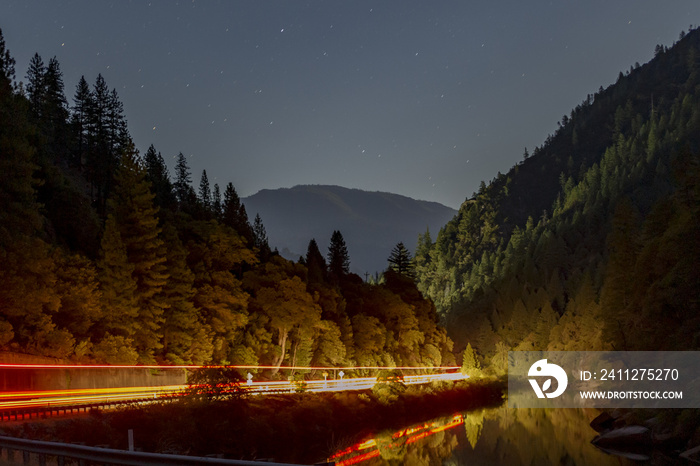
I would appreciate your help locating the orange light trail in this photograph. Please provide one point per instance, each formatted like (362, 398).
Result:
(56, 398)
(299, 368)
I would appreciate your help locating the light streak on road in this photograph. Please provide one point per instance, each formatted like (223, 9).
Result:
(281, 368)
(61, 398)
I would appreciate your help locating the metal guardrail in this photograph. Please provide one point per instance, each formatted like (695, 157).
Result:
(41, 412)
(86, 455)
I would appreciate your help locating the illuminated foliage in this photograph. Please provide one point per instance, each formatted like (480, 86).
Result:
(214, 384)
(470, 362)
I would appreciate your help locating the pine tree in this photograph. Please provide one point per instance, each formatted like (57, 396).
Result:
(157, 175)
(184, 192)
(315, 263)
(80, 120)
(470, 361)
(216, 202)
(117, 134)
(137, 220)
(338, 258)
(260, 238)
(54, 123)
(7, 68)
(78, 288)
(400, 261)
(205, 193)
(117, 285)
(36, 89)
(186, 340)
(107, 139)
(234, 215)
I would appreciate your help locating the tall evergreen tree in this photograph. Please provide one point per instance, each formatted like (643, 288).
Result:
(157, 174)
(338, 258)
(107, 139)
(117, 285)
(7, 67)
(260, 238)
(137, 220)
(234, 215)
(186, 340)
(117, 134)
(184, 192)
(205, 192)
(54, 125)
(80, 120)
(216, 202)
(35, 87)
(315, 263)
(400, 261)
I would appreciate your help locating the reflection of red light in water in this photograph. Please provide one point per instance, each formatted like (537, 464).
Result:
(413, 433)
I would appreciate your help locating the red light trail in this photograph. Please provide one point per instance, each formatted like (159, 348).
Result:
(330, 368)
(55, 398)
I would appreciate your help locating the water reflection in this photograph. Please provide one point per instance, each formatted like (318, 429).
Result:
(496, 436)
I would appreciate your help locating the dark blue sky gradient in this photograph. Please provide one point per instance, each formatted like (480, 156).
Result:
(420, 98)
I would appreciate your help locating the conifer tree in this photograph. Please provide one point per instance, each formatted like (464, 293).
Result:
(117, 134)
(216, 202)
(36, 89)
(315, 263)
(157, 175)
(470, 361)
(400, 260)
(137, 220)
(184, 192)
(260, 238)
(117, 285)
(7, 68)
(78, 288)
(54, 123)
(205, 192)
(338, 258)
(234, 215)
(80, 120)
(186, 340)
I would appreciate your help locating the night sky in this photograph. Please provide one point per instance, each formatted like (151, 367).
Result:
(415, 97)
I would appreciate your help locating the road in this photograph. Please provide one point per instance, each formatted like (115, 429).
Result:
(46, 399)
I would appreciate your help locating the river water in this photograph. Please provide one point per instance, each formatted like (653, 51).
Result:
(495, 436)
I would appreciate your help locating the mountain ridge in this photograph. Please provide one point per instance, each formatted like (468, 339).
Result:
(371, 222)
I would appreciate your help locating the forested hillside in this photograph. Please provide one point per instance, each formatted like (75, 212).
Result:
(592, 242)
(104, 257)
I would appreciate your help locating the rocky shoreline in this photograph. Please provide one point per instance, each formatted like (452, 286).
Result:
(660, 436)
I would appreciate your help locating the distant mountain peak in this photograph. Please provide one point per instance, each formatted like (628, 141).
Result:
(372, 222)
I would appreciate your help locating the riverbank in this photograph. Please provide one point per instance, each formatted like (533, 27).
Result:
(299, 428)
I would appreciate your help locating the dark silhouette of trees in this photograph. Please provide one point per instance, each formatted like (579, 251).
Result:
(401, 262)
(338, 258)
(315, 263)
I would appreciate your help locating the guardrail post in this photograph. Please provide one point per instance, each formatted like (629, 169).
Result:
(42, 460)
(10, 454)
(60, 461)
(25, 457)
